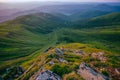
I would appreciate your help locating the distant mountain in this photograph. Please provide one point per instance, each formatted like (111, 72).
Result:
(76, 10)
(70, 9)
(107, 7)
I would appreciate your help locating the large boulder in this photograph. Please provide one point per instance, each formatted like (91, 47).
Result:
(48, 75)
(89, 73)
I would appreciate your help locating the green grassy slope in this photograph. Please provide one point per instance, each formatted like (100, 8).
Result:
(87, 14)
(24, 35)
(24, 39)
(105, 20)
(102, 31)
(102, 38)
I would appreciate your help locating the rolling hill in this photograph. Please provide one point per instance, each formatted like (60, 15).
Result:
(25, 39)
(84, 14)
(20, 35)
(105, 20)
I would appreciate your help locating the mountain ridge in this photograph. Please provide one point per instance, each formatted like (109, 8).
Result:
(24, 41)
(104, 20)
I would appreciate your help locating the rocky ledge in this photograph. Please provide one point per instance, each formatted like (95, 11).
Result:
(48, 75)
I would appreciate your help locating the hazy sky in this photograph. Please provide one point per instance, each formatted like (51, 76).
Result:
(62, 0)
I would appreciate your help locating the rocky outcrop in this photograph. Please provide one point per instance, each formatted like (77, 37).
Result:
(48, 75)
(58, 51)
(89, 73)
(79, 51)
(62, 60)
(51, 63)
(13, 72)
(100, 56)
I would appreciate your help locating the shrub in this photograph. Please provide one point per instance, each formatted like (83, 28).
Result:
(61, 70)
(105, 73)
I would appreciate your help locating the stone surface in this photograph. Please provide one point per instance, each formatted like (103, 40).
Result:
(48, 75)
(100, 56)
(62, 60)
(51, 62)
(58, 51)
(89, 73)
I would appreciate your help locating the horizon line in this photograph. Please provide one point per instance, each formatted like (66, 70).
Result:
(65, 1)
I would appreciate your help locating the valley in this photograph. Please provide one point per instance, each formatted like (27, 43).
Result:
(58, 44)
